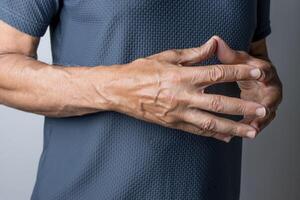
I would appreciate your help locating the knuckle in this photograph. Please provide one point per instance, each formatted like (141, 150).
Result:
(241, 109)
(141, 60)
(197, 76)
(196, 51)
(235, 130)
(243, 54)
(268, 65)
(216, 104)
(175, 76)
(208, 124)
(217, 73)
(180, 115)
(170, 121)
(167, 98)
(264, 65)
(174, 52)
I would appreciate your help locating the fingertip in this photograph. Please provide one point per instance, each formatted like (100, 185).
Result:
(259, 74)
(261, 112)
(251, 134)
(256, 73)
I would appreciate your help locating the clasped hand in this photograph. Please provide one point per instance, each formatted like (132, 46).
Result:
(166, 89)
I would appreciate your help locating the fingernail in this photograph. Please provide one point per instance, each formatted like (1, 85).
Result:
(251, 134)
(255, 73)
(261, 112)
(227, 139)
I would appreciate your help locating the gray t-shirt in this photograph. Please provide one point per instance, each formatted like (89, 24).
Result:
(109, 155)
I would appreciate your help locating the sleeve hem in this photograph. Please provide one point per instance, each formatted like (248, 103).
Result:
(19, 22)
(262, 34)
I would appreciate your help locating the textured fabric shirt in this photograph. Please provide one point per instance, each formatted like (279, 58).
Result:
(108, 155)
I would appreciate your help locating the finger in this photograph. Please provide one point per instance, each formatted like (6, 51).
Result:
(268, 71)
(226, 105)
(188, 56)
(227, 55)
(191, 128)
(246, 85)
(247, 120)
(223, 137)
(261, 123)
(272, 100)
(271, 106)
(211, 123)
(195, 130)
(207, 75)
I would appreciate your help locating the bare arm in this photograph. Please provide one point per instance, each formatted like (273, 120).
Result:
(163, 88)
(34, 86)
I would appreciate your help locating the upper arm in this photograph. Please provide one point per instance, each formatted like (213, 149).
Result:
(22, 23)
(258, 47)
(263, 27)
(15, 41)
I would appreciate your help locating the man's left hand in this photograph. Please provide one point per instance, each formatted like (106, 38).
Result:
(266, 91)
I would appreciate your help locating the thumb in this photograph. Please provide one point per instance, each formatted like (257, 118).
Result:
(227, 55)
(188, 56)
(224, 53)
(198, 54)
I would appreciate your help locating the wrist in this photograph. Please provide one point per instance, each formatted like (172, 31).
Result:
(107, 87)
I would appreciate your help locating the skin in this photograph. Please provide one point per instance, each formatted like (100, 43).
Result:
(267, 91)
(163, 88)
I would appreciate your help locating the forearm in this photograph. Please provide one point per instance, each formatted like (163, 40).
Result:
(30, 85)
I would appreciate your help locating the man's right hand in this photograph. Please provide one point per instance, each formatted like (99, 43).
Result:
(165, 89)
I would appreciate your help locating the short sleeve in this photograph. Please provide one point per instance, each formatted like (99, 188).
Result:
(263, 27)
(29, 16)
